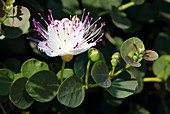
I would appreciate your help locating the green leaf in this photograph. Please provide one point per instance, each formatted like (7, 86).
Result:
(80, 65)
(14, 32)
(137, 109)
(122, 88)
(71, 92)
(138, 75)
(32, 66)
(17, 17)
(100, 74)
(133, 44)
(164, 39)
(161, 67)
(6, 78)
(70, 6)
(107, 4)
(136, 27)
(150, 55)
(167, 1)
(146, 12)
(66, 74)
(94, 6)
(42, 86)
(92, 3)
(119, 19)
(18, 95)
(138, 2)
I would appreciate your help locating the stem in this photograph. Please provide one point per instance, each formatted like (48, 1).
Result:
(2, 108)
(120, 71)
(93, 85)
(87, 74)
(103, 13)
(62, 70)
(125, 6)
(152, 79)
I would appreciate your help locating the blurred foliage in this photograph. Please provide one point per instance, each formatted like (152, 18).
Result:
(26, 82)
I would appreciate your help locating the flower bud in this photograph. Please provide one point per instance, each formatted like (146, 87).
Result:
(116, 55)
(67, 58)
(135, 58)
(93, 54)
(114, 62)
(115, 59)
(131, 54)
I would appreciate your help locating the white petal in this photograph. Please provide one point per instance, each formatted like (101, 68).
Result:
(82, 48)
(44, 48)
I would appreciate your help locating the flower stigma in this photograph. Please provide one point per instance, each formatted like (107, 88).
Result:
(68, 36)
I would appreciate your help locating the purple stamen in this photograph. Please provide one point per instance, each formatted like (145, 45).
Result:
(51, 16)
(42, 18)
(83, 14)
(35, 40)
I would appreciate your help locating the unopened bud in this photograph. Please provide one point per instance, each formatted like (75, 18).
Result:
(116, 55)
(115, 59)
(93, 54)
(131, 54)
(135, 58)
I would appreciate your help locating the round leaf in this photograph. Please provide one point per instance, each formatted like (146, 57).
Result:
(100, 74)
(14, 32)
(70, 6)
(161, 67)
(122, 88)
(138, 75)
(32, 66)
(80, 65)
(42, 86)
(18, 16)
(6, 78)
(71, 92)
(146, 12)
(66, 74)
(18, 95)
(119, 19)
(162, 38)
(107, 4)
(150, 55)
(133, 44)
